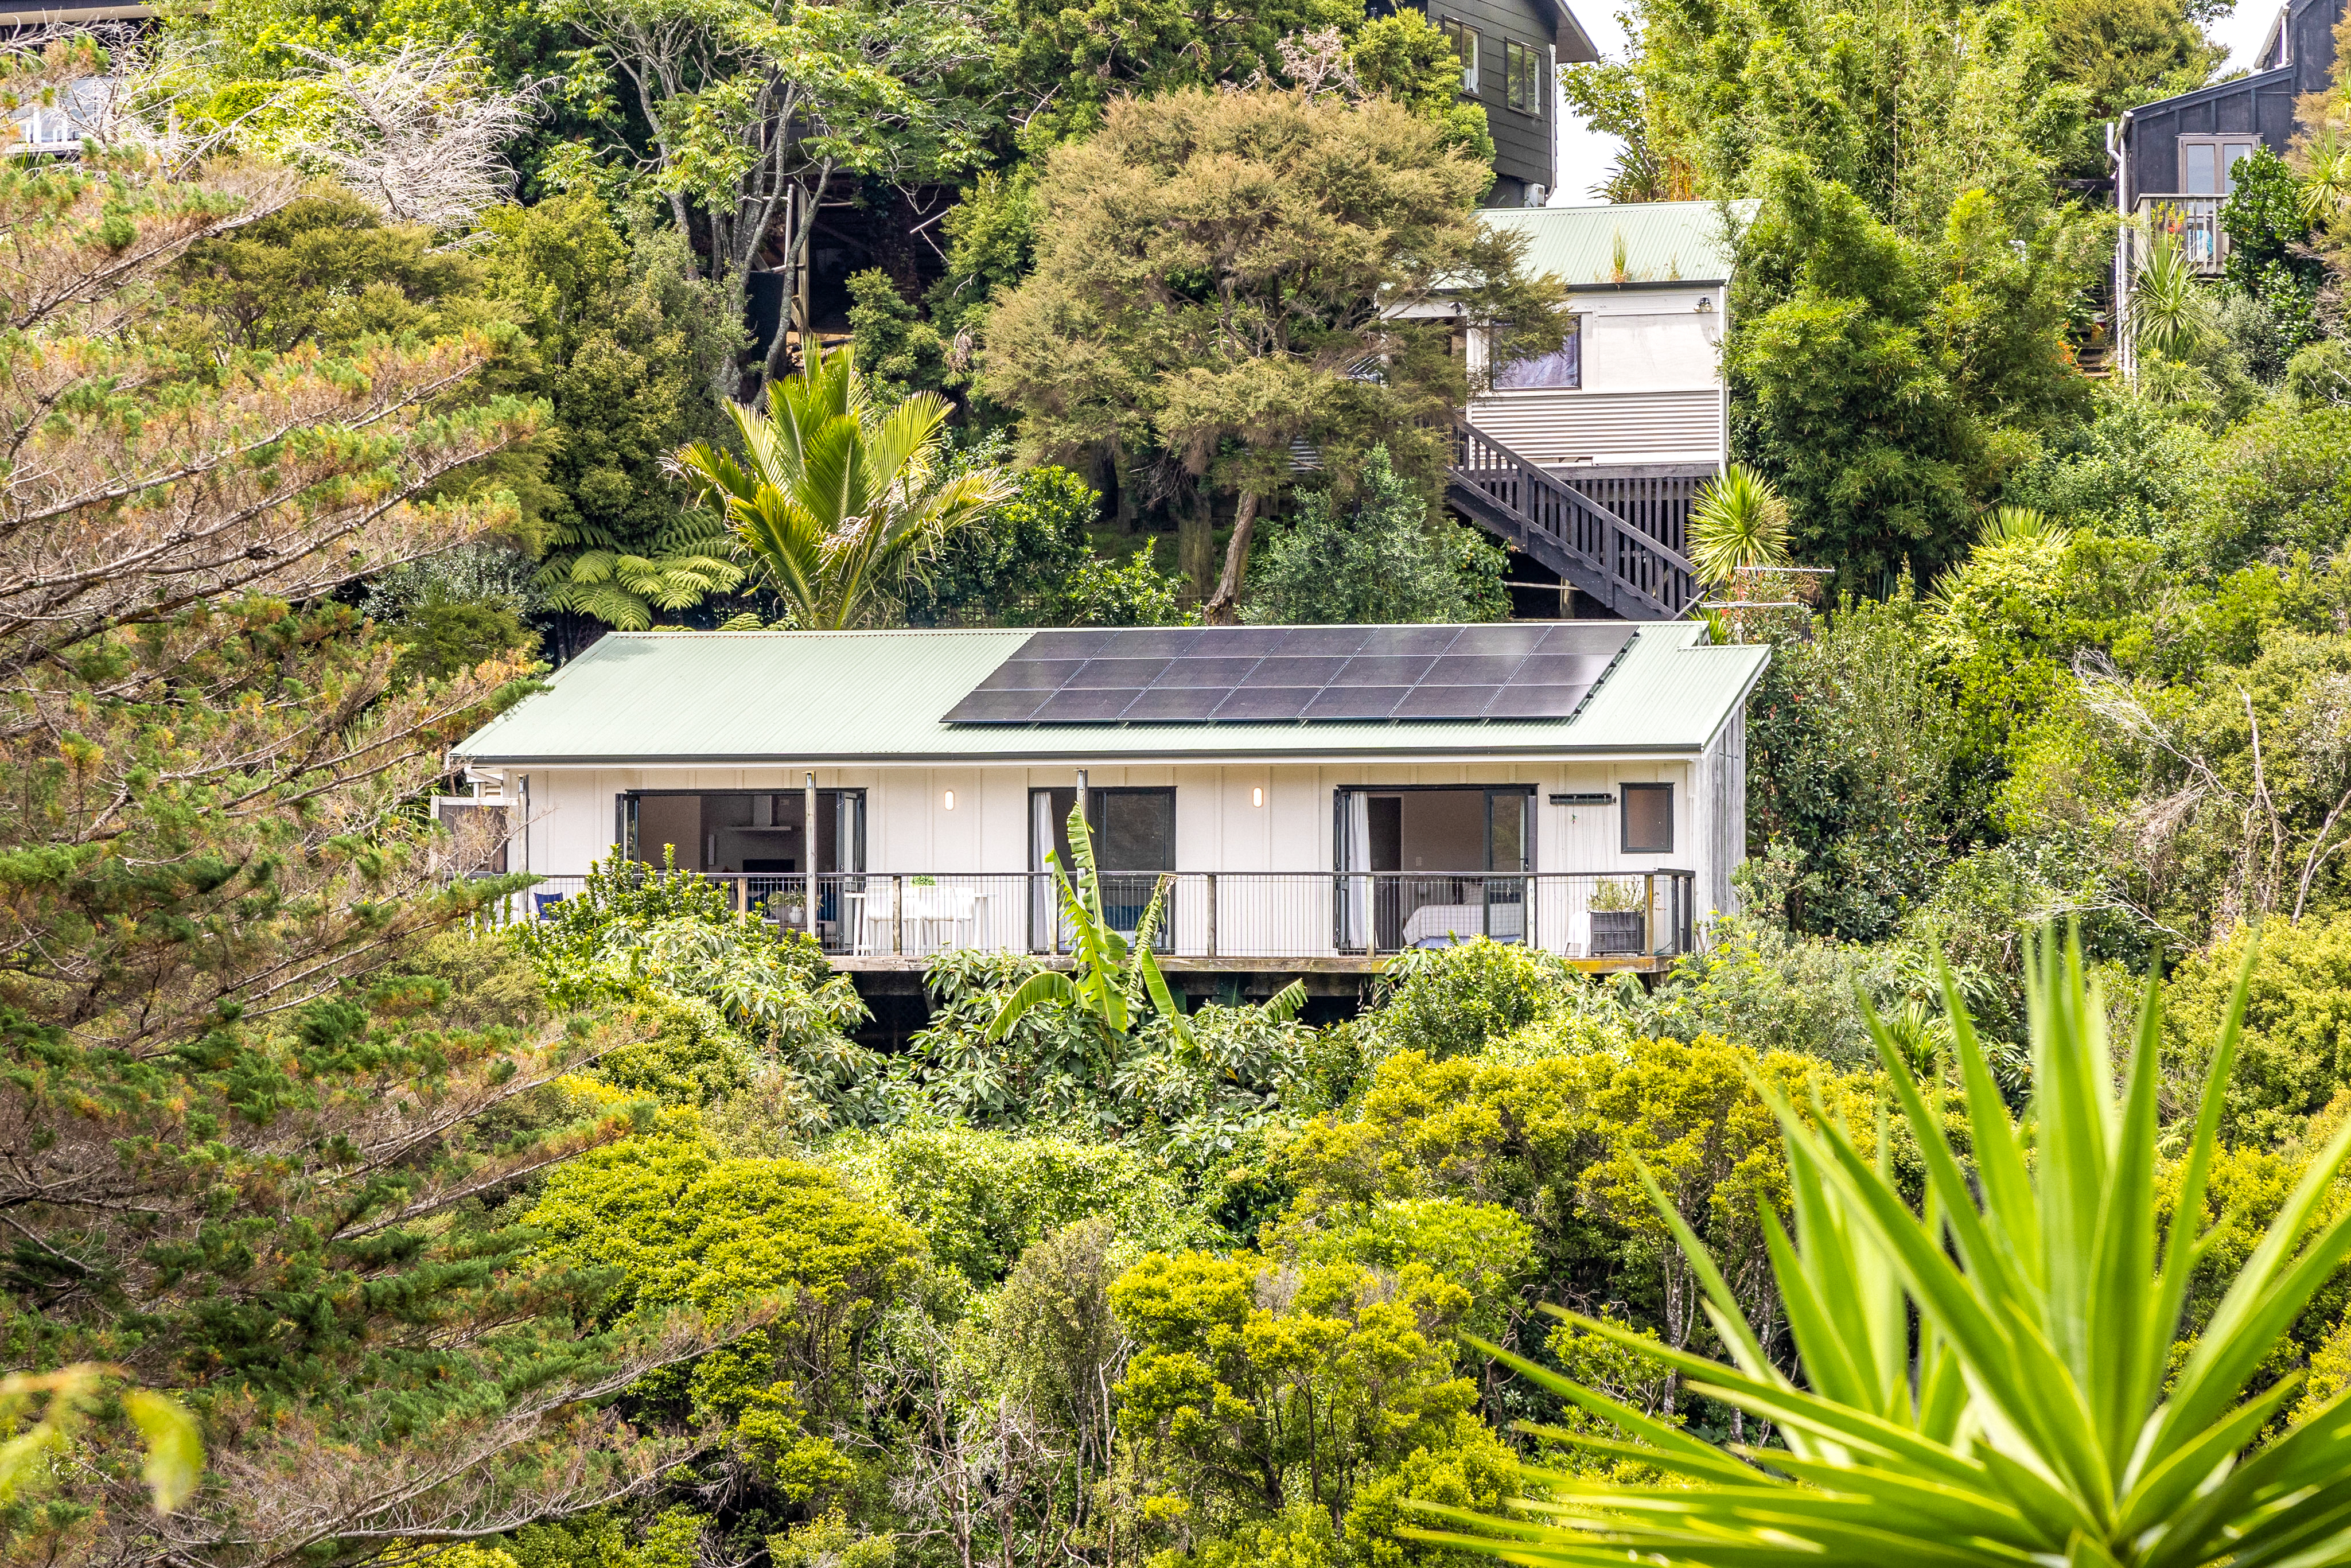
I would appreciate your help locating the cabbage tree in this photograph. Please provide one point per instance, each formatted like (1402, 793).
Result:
(1999, 1377)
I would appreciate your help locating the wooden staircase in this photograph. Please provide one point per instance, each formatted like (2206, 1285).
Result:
(1605, 556)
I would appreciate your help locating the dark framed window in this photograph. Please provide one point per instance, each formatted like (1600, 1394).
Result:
(1563, 368)
(1648, 818)
(1464, 39)
(1522, 78)
(1134, 831)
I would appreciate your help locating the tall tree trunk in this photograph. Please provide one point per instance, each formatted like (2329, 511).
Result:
(1195, 541)
(1224, 607)
(800, 224)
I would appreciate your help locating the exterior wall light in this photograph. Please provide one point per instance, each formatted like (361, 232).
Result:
(950, 800)
(1257, 797)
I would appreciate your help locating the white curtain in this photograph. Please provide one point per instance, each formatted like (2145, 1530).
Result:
(1355, 856)
(1044, 904)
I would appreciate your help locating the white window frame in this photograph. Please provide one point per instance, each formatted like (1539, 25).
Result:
(1580, 326)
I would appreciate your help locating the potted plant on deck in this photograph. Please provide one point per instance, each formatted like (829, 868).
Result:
(1619, 913)
(788, 905)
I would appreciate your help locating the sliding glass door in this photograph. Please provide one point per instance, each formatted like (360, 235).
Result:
(1133, 834)
(1430, 864)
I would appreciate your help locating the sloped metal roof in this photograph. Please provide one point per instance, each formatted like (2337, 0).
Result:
(749, 698)
(1664, 242)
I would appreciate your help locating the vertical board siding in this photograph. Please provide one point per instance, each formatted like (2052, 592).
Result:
(1724, 773)
(1655, 498)
(907, 828)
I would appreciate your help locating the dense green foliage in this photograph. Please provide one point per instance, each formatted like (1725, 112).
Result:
(1388, 559)
(629, 1238)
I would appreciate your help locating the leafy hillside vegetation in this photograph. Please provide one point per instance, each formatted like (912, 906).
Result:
(368, 359)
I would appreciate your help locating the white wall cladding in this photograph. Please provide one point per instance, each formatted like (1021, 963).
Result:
(573, 811)
(1652, 391)
(1568, 427)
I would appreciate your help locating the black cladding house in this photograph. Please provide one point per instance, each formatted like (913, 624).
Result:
(2175, 160)
(1511, 52)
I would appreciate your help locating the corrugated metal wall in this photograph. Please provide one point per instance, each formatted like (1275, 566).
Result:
(1553, 427)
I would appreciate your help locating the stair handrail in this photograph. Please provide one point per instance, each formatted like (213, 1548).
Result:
(1627, 541)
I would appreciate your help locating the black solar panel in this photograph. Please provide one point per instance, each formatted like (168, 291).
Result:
(1446, 702)
(1283, 675)
(1266, 703)
(1085, 705)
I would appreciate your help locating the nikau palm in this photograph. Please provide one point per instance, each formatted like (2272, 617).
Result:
(838, 498)
(2036, 1415)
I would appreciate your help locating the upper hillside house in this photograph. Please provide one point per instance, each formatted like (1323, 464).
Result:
(1307, 798)
(1511, 53)
(1629, 419)
(2175, 160)
(1639, 380)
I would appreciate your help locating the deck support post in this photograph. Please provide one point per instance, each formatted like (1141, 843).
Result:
(808, 849)
(1212, 914)
(897, 913)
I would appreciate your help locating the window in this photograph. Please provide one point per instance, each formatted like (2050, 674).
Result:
(1464, 39)
(1522, 78)
(755, 832)
(1424, 865)
(1134, 842)
(2208, 164)
(1648, 818)
(1563, 368)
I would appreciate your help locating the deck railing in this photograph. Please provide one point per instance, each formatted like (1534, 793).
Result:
(2194, 222)
(1217, 915)
(1632, 573)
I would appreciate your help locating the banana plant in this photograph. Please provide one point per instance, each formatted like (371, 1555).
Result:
(1996, 1376)
(1109, 976)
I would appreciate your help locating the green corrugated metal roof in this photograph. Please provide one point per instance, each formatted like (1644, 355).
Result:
(1664, 241)
(722, 698)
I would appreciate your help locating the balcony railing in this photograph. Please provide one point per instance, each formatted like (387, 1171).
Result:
(2194, 222)
(1214, 915)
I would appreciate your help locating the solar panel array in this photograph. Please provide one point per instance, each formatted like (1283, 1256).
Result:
(1273, 675)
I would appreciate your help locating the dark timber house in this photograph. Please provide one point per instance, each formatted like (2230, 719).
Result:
(2175, 160)
(1511, 52)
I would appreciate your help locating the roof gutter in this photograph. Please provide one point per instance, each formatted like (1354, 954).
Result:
(1107, 759)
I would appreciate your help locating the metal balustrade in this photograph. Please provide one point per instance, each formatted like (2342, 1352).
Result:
(1233, 916)
(2193, 222)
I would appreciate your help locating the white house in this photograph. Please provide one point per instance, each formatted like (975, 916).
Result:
(1640, 380)
(1588, 461)
(1300, 797)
